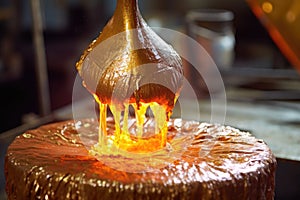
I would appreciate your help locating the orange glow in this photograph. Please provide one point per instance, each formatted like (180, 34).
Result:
(137, 136)
(267, 7)
(136, 46)
(281, 19)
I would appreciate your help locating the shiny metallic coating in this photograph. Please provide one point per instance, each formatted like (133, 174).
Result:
(51, 162)
(130, 62)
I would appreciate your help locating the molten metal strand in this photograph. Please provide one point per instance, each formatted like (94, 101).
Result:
(130, 66)
(134, 139)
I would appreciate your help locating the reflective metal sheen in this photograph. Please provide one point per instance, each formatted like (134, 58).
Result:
(51, 162)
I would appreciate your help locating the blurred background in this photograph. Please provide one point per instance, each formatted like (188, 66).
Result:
(70, 25)
(259, 71)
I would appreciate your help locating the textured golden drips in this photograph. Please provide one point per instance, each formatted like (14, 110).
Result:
(141, 71)
(138, 140)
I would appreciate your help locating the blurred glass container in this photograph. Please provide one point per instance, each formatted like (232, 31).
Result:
(282, 20)
(213, 29)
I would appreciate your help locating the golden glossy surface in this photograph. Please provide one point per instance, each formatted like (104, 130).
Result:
(221, 162)
(130, 65)
(136, 45)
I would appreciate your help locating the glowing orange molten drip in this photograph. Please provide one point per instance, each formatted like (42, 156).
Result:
(131, 133)
(130, 67)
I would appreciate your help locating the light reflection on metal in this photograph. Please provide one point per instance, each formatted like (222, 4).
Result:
(130, 66)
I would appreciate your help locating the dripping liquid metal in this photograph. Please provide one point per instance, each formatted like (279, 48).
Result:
(145, 141)
(135, 135)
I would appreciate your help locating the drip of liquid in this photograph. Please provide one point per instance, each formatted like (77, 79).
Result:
(134, 133)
